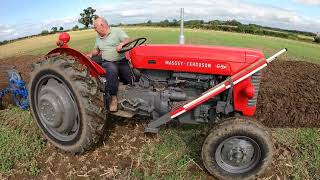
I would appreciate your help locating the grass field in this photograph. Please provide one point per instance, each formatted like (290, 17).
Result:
(84, 41)
(177, 149)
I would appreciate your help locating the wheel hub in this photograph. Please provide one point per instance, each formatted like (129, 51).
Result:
(57, 109)
(50, 110)
(237, 154)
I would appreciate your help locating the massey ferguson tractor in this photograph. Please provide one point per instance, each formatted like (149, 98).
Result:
(189, 84)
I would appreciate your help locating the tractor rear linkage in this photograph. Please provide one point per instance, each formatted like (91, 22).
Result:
(153, 127)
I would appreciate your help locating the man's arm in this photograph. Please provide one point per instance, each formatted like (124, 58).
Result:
(93, 53)
(125, 41)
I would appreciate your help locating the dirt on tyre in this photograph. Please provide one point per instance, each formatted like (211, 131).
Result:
(67, 103)
(238, 148)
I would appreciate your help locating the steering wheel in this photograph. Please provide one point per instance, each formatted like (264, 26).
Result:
(132, 44)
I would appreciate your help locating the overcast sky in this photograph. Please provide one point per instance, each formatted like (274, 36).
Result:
(19, 18)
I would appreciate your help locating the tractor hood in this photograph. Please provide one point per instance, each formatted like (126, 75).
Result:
(192, 58)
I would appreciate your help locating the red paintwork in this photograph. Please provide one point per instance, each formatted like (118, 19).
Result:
(64, 38)
(240, 98)
(94, 68)
(210, 59)
(249, 91)
(216, 60)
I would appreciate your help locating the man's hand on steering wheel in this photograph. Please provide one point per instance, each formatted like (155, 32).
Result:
(121, 48)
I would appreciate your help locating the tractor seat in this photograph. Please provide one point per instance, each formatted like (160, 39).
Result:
(97, 59)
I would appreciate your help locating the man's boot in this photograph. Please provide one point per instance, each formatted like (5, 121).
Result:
(114, 104)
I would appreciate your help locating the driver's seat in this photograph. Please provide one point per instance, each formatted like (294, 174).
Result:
(97, 58)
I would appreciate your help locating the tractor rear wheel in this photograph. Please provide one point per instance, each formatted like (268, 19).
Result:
(238, 148)
(67, 103)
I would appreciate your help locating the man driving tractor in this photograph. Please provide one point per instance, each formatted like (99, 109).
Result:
(109, 42)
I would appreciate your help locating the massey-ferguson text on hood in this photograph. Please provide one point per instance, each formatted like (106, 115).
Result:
(191, 58)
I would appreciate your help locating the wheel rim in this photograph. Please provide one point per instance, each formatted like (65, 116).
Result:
(238, 154)
(56, 108)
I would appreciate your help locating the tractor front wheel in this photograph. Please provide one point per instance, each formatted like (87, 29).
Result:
(66, 103)
(238, 148)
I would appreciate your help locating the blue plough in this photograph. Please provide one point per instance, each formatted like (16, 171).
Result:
(15, 86)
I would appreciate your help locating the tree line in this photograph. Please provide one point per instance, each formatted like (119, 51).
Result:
(236, 26)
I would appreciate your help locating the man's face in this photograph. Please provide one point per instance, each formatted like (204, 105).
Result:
(101, 29)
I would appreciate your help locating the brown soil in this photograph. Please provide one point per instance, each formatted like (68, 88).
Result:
(23, 65)
(289, 97)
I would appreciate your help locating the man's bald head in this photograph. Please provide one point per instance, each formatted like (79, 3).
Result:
(100, 21)
(101, 26)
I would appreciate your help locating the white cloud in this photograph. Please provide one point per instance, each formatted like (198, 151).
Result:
(138, 10)
(7, 31)
(134, 11)
(29, 28)
(309, 2)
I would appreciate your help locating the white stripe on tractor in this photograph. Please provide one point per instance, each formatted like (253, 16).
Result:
(203, 96)
(249, 74)
(178, 114)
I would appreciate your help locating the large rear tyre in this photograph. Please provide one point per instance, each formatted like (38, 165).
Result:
(238, 148)
(67, 103)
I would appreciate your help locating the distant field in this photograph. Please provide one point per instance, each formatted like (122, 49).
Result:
(84, 41)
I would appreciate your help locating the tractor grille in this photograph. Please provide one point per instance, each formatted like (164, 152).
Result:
(255, 81)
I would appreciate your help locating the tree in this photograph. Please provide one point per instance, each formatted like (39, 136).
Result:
(61, 28)
(75, 28)
(87, 16)
(317, 38)
(164, 23)
(44, 32)
(175, 22)
(54, 29)
(233, 23)
(149, 22)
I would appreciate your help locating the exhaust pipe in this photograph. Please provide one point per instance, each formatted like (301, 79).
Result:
(181, 37)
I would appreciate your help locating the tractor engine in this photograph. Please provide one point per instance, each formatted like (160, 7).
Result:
(157, 92)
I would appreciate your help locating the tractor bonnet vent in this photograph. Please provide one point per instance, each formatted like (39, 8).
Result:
(255, 81)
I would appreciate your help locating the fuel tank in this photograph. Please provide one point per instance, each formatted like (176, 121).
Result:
(193, 58)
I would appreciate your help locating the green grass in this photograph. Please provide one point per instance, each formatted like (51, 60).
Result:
(176, 154)
(84, 42)
(19, 141)
(306, 142)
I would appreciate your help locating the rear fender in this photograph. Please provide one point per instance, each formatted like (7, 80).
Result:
(94, 68)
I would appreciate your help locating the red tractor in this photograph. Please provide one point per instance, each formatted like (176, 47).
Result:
(183, 83)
